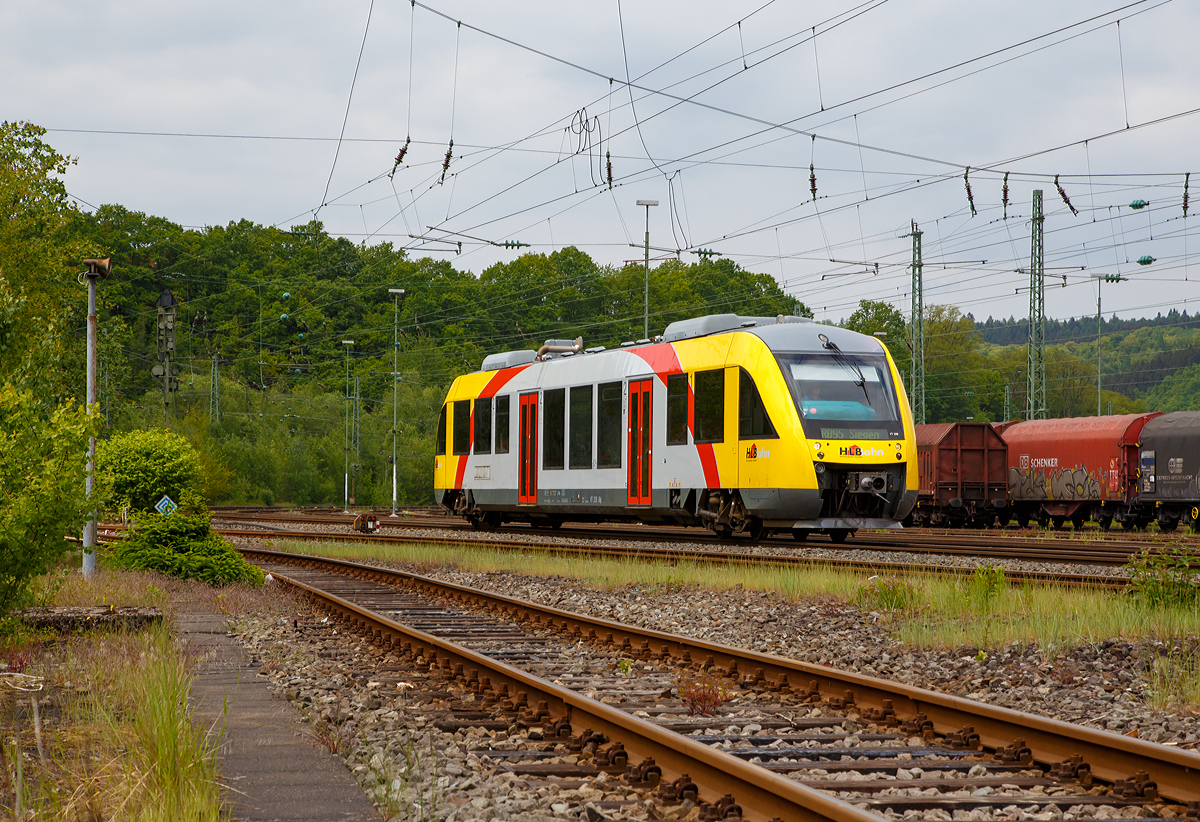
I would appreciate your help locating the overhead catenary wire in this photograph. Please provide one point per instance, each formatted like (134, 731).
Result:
(349, 98)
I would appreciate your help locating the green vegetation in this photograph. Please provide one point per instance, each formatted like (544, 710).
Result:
(41, 488)
(1165, 576)
(123, 742)
(144, 465)
(184, 546)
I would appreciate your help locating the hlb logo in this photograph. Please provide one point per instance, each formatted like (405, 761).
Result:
(851, 451)
(754, 452)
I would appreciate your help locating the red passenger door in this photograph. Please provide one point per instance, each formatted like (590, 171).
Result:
(639, 441)
(527, 447)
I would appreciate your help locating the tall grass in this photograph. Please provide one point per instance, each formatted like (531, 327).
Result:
(126, 746)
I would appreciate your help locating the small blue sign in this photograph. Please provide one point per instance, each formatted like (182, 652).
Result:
(165, 506)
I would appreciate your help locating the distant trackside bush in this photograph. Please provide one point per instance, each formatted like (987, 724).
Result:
(183, 545)
(144, 465)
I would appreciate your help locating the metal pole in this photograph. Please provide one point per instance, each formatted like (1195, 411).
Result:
(1098, 400)
(396, 292)
(346, 446)
(646, 297)
(89, 528)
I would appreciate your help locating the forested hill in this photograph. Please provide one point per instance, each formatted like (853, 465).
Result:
(273, 306)
(1015, 331)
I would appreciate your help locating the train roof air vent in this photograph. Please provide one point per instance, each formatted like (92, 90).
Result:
(507, 359)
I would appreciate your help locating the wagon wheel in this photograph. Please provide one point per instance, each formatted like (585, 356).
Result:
(1023, 520)
(1077, 521)
(1167, 524)
(799, 534)
(1059, 522)
(838, 535)
(1104, 521)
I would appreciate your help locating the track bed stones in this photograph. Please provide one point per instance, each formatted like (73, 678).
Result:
(868, 758)
(78, 619)
(1102, 685)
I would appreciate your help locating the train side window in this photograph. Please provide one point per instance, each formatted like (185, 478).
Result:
(554, 408)
(483, 425)
(677, 401)
(462, 427)
(441, 435)
(502, 425)
(710, 406)
(581, 427)
(753, 421)
(608, 428)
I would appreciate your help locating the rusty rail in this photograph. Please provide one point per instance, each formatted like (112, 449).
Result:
(1051, 741)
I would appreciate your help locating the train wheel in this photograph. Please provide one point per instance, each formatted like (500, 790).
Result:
(1059, 522)
(723, 532)
(1105, 522)
(756, 529)
(1022, 520)
(838, 535)
(799, 534)
(1129, 524)
(1167, 524)
(1077, 522)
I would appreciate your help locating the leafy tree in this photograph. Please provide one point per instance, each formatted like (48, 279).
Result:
(42, 464)
(958, 377)
(39, 258)
(873, 317)
(142, 466)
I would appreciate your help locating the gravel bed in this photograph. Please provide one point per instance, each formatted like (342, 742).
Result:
(411, 769)
(847, 552)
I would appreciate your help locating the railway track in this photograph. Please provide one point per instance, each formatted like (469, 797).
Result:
(586, 699)
(745, 557)
(992, 544)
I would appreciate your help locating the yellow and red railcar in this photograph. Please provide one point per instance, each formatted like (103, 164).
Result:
(742, 424)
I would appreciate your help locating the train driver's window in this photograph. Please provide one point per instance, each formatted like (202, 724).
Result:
(710, 406)
(677, 401)
(581, 427)
(441, 434)
(554, 412)
(502, 425)
(608, 428)
(483, 425)
(462, 427)
(753, 422)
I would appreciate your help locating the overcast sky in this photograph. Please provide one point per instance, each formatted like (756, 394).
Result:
(206, 113)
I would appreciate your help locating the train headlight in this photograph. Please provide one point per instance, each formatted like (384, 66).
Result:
(899, 456)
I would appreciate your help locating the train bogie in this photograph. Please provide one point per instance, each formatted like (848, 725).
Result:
(714, 423)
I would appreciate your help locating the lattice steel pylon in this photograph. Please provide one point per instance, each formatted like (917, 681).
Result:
(917, 371)
(214, 393)
(1035, 408)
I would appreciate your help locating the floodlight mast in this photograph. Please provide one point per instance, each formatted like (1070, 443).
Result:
(646, 297)
(397, 293)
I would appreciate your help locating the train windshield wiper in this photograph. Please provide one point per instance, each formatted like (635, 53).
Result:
(848, 364)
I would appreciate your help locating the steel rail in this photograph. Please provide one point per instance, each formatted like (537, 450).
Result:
(1111, 757)
(674, 555)
(994, 544)
(763, 794)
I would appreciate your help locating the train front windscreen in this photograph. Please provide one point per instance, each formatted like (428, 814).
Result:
(843, 396)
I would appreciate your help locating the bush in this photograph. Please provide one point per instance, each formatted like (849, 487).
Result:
(987, 582)
(144, 465)
(183, 546)
(1164, 576)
